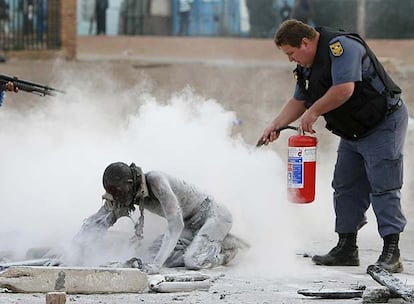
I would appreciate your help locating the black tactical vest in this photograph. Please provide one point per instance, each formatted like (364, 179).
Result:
(365, 109)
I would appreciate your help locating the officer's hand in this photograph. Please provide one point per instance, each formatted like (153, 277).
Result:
(268, 136)
(307, 121)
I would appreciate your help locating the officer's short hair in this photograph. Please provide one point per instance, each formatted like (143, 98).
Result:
(292, 31)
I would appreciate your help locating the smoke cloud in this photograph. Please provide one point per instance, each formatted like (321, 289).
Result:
(53, 158)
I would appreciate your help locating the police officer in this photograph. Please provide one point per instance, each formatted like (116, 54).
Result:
(198, 228)
(184, 9)
(340, 78)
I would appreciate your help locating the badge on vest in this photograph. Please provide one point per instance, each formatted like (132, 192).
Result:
(336, 49)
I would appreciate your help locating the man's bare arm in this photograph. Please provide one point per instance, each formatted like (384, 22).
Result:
(170, 206)
(100, 221)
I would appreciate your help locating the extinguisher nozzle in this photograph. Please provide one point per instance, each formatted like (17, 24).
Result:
(260, 143)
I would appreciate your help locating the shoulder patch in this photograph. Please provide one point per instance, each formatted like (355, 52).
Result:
(336, 49)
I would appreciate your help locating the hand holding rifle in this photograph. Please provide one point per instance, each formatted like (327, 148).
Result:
(12, 83)
(9, 86)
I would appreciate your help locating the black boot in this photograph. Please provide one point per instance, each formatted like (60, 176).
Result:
(390, 256)
(345, 253)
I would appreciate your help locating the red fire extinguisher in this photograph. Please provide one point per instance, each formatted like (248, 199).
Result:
(301, 167)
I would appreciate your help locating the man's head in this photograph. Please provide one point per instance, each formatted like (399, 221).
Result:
(120, 181)
(298, 41)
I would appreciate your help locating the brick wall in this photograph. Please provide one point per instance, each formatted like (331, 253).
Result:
(68, 28)
(68, 34)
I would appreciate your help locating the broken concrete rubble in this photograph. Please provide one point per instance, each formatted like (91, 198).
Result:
(33, 262)
(332, 293)
(377, 294)
(393, 283)
(179, 282)
(73, 280)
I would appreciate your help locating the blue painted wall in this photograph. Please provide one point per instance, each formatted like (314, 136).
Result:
(210, 18)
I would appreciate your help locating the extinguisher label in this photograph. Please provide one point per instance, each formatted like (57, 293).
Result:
(297, 156)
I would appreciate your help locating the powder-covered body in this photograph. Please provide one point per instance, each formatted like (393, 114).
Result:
(197, 234)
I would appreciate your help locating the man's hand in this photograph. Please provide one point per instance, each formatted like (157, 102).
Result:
(277, 131)
(9, 86)
(151, 268)
(269, 135)
(307, 121)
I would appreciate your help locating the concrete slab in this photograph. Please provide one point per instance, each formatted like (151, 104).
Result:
(73, 280)
(56, 297)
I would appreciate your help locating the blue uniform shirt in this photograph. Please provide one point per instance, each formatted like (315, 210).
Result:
(351, 66)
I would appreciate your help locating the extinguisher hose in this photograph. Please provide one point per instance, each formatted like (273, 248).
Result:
(262, 141)
(287, 127)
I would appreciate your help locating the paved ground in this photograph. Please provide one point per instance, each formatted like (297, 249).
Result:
(252, 79)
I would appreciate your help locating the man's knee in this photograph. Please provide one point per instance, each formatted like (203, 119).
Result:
(202, 253)
(202, 261)
(190, 262)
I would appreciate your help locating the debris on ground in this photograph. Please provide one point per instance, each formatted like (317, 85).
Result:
(394, 284)
(332, 293)
(376, 294)
(179, 282)
(32, 262)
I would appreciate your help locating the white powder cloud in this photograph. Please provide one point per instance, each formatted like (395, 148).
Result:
(53, 158)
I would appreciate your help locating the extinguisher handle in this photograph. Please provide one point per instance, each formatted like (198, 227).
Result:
(262, 141)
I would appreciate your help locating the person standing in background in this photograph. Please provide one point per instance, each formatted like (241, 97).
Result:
(41, 13)
(184, 8)
(302, 11)
(285, 11)
(262, 18)
(132, 17)
(100, 13)
(87, 8)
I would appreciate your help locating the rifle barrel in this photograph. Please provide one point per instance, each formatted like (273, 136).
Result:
(29, 86)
